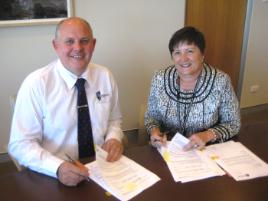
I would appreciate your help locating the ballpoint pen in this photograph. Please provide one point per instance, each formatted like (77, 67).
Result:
(163, 138)
(157, 142)
(77, 164)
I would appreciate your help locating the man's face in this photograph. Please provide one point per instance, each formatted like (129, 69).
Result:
(74, 45)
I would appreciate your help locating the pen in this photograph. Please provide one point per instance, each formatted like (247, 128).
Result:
(162, 140)
(77, 164)
(157, 140)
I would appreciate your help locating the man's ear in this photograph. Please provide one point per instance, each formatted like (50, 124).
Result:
(54, 43)
(94, 43)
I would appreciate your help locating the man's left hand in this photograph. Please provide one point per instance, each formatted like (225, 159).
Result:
(114, 149)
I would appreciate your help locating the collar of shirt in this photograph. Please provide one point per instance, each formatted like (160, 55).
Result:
(69, 77)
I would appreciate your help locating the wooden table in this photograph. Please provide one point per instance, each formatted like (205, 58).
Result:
(30, 186)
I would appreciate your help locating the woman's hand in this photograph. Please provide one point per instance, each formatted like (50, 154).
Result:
(157, 138)
(199, 140)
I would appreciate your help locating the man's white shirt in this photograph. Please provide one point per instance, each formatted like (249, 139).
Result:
(44, 125)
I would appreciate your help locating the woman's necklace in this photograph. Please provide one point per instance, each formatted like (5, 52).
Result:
(186, 109)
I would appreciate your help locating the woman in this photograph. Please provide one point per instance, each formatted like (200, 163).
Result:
(191, 97)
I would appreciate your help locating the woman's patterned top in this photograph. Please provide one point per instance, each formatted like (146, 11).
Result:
(212, 104)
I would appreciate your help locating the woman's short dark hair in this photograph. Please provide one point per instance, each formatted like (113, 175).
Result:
(187, 35)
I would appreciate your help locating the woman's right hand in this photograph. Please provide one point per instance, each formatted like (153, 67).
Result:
(157, 138)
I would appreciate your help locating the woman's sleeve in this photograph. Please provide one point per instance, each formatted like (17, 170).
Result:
(229, 113)
(152, 117)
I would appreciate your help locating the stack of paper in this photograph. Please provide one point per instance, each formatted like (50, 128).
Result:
(190, 165)
(124, 178)
(237, 160)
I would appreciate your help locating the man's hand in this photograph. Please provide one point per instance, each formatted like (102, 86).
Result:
(114, 149)
(71, 175)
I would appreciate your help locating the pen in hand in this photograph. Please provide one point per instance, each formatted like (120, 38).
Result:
(158, 141)
(77, 164)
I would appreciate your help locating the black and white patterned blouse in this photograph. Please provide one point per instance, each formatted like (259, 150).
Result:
(212, 104)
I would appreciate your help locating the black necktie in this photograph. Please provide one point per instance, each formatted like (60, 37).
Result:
(85, 138)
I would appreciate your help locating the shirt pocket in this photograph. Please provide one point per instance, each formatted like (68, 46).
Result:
(100, 114)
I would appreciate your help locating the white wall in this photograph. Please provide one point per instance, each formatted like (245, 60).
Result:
(256, 67)
(132, 39)
(22, 50)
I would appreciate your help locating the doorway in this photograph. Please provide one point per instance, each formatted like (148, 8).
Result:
(222, 22)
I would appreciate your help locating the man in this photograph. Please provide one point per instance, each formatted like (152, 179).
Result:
(45, 121)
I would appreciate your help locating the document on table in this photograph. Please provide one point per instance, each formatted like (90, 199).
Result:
(237, 160)
(190, 165)
(123, 178)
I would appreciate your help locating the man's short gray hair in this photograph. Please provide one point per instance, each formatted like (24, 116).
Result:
(58, 27)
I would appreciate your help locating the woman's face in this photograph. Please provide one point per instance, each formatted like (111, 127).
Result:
(188, 59)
